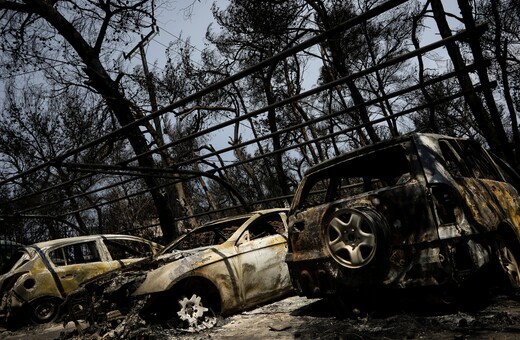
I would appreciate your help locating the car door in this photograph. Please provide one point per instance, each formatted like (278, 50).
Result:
(76, 263)
(261, 251)
(480, 183)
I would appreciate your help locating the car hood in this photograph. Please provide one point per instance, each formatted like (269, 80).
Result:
(135, 272)
(119, 284)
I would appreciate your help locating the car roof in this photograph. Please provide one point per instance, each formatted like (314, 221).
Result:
(423, 137)
(76, 239)
(246, 215)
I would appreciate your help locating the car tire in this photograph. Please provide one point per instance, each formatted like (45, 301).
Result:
(508, 261)
(357, 239)
(44, 310)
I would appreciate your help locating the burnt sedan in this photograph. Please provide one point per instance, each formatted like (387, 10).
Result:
(222, 267)
(41, 275)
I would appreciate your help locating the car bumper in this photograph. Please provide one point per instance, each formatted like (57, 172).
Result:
(315, 274)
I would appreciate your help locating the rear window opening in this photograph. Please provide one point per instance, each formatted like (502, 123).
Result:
(15, 261)
(367, 172)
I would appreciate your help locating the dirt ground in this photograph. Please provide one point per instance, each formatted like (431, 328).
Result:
(498, 317)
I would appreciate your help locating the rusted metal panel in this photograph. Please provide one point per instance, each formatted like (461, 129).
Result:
(245, 268)
(43, 271)
(436, 225)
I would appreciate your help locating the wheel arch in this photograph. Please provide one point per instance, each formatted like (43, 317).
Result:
(507, 260)
(202, 286)
(509, 233)
(164, 305)
(44, 309)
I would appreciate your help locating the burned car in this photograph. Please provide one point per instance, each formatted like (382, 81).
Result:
(222, 267)
(422, 210)
(41, 275)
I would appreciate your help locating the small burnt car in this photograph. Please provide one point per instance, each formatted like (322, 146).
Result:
(219, 268)
(421, 210)
(41, 275)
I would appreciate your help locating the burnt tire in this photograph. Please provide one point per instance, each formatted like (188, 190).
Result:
(44, 310)
(194, 314)
(357, 239)
(508, 262)
(189, 297)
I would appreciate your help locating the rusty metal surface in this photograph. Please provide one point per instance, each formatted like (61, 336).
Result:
(36, 276)
(435, 227)
(244, 269)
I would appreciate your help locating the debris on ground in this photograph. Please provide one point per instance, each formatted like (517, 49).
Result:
(301, 318)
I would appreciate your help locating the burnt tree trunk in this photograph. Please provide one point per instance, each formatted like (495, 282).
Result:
(482, 116)
(100, 80)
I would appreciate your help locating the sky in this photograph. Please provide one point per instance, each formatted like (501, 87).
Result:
(190, 20)
(187, 20)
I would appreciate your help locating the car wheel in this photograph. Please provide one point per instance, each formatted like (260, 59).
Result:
(194, 314)
(44, 310)
(354, 236)
(508, 261)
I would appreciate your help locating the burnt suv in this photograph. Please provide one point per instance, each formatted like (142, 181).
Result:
(420, 210)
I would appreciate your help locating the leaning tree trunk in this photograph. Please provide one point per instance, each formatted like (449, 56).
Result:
(501, 55)
(482, 117)
(476, 48)
(100, 80)
(273, 127)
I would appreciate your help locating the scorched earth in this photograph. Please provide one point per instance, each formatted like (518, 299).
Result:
(494, 314)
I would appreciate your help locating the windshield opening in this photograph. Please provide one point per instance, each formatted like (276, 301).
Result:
(208, 235)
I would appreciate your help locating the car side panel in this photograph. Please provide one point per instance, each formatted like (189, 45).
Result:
(73, 275)
(220, 259)
(263, 270)
(36, 283)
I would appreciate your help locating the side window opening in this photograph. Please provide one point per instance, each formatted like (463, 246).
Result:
(467, 159)
(317, 193)
(75, 254)
(266, 226)
(207, 235)
(198, 239)
(479, 161)
(127, 249)
(58, 257)
(508, 172)
(452, 161)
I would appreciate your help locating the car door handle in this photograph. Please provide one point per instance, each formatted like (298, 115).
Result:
(67, 276)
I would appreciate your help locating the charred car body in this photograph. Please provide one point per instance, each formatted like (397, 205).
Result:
(219, 268)
(422, 210)
(41, 275)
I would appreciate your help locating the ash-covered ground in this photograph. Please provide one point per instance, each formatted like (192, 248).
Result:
(494, 316)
